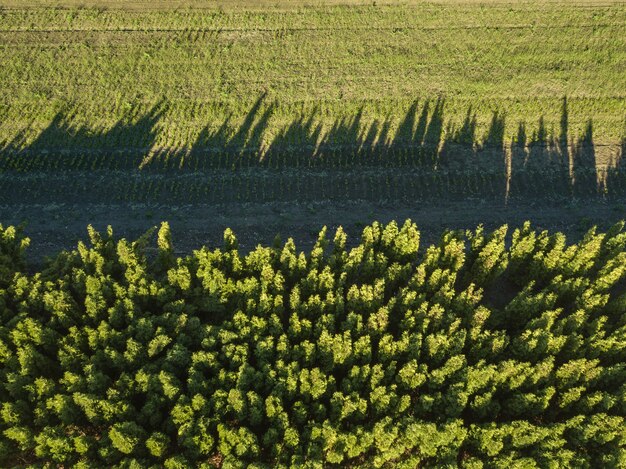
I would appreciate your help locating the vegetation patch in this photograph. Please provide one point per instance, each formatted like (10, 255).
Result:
(483, 350)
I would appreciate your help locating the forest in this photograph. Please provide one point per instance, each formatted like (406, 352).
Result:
(487, 349)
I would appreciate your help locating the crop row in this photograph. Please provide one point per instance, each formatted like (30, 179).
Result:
(416, 15)
(302, 186)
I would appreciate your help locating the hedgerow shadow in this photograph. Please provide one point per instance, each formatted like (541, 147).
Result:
(62, 145)
(424, 155)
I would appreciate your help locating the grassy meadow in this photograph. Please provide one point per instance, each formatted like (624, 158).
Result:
(297, 102)
(202, 68)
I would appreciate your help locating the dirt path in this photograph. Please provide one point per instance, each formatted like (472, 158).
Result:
(55, 227)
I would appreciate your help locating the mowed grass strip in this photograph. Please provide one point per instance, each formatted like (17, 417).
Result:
(205, 67)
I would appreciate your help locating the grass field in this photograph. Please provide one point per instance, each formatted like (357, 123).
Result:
(230, 102)
(96, 67)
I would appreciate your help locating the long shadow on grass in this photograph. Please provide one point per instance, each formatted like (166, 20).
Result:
(62, 145)
(423, 157)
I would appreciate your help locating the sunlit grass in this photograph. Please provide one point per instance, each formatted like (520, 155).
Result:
(210, 65)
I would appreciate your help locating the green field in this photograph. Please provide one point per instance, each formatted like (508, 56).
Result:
(94, 68)
(292, 102)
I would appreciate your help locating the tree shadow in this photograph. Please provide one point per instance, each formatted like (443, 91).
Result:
(65, 146)
(228, 146)
(614, 183)
(541, 165)
(585, 173)
(423, 156)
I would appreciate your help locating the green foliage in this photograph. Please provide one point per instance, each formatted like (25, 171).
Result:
(12, 246)
(469, 354)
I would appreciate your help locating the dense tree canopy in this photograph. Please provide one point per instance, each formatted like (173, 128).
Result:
(482, 351)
